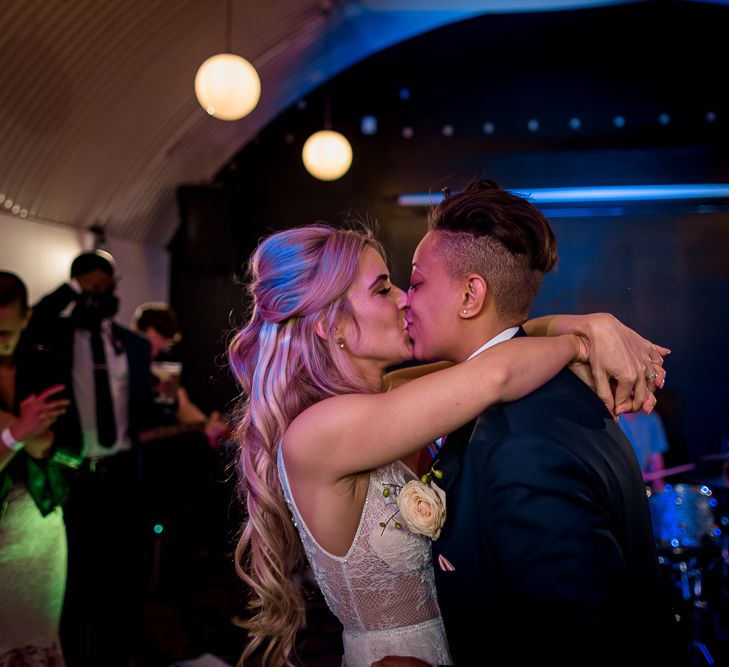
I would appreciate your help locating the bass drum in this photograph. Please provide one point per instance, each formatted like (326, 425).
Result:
(683, 516)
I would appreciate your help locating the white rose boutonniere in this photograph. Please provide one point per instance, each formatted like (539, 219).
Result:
(423, 508)
(421, 503)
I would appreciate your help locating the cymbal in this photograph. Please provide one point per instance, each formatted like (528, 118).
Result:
(667, 472)
(724, 456)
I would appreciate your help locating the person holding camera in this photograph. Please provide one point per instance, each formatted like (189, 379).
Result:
(107, 367)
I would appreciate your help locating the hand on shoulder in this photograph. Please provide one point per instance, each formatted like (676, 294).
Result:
(624, 368)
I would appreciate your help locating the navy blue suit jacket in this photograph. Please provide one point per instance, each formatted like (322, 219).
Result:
(549, 533)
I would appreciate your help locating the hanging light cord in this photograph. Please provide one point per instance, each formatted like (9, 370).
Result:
(328, 11)
(228, 26)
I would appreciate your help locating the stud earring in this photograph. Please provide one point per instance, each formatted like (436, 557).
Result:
(465, 311)
(340, 342)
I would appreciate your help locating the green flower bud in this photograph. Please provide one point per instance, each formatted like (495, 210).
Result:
(425, 479)
(382, 524)
(386, 492)
(438, 474)
(398, 525)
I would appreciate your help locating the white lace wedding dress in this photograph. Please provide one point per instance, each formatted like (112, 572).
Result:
(32, 582)
(382, 590)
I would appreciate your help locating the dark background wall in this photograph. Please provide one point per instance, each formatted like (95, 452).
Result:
(661, 268)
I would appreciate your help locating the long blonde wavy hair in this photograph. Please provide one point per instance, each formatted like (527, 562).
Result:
(298, 278)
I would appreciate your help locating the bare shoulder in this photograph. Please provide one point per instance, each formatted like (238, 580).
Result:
(321, 426)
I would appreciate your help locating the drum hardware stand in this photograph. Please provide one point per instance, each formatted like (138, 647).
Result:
(689, 593)
(722, 634)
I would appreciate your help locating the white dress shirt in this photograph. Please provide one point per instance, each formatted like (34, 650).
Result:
(84, 391)
(507, 334)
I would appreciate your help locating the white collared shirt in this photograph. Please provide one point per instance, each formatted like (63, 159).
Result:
(508, 334)
(84, 391)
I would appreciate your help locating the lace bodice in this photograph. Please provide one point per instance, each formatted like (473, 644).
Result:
(382, 590)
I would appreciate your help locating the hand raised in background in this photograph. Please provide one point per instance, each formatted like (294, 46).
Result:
(37, 413)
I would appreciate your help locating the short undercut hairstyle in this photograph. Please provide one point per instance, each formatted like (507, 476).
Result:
(486, 230)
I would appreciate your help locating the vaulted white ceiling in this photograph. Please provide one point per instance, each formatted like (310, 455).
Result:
(98, 119)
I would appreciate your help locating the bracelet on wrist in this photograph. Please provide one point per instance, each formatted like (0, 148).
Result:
(6, 435)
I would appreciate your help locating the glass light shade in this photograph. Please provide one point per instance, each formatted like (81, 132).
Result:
(327, 155)
(227, 86)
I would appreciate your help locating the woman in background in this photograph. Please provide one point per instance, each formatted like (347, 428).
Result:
(158, 323)
(36, 453)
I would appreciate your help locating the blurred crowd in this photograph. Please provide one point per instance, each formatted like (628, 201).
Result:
(102, 450)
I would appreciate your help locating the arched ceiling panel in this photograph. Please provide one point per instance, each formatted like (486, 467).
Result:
(98, 119)
(99, 124)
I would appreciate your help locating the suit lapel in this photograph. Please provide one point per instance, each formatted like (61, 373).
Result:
(450, 458)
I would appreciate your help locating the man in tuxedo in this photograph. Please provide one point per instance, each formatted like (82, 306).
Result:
(107, 368)
(547, 553)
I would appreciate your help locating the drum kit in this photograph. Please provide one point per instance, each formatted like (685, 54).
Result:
(691, 528)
